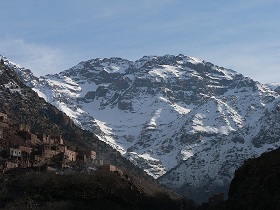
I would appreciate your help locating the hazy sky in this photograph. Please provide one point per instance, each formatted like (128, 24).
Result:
(49, 36)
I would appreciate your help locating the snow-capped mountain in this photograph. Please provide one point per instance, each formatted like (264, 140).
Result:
(183, 120)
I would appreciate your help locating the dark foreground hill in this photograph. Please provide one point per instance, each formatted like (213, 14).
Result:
(102, 190)
(256, 185)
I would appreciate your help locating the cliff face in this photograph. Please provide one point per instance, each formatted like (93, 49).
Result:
(256, 184)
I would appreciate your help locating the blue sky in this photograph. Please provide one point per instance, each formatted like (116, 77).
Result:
(49, 36)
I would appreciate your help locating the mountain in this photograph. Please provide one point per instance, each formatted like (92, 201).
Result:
(23, 105)
(183, 120)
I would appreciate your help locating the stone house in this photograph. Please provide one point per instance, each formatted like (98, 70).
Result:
(25, 164)
(26, 152)
(87, 155)
(10, 164)
(67, 153)
(38, 160)
(5, 165)
(111, 168)
(52, 139)
(25, 149)
(24, 127)
(12, 153)
(43, 137)
(29, 137)
(55, 139)
(61, 151)
(70, 155)
(90, 154)
(49, 153)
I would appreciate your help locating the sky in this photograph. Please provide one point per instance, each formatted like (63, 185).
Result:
(49, 36)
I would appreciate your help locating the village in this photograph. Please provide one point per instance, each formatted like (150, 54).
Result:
(43, 152)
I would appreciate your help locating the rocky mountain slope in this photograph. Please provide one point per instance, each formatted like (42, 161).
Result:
(185, 121)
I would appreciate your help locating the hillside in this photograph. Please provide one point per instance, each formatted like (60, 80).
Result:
(23, 105)
(80, 191)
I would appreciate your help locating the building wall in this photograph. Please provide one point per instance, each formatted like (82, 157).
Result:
(4, 125)
(87, 155)
(43, 137)
(51, 139)
(48, 141)
(108, 167)
(15, 153)
(48, 153)
(56, 139)
(70, 155)
(26, 135)
(33, 138)
(24, 127)
(25, 149)
(9, 165)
